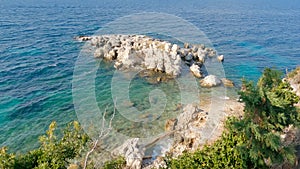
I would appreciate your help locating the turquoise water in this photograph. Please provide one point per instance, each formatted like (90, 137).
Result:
(38, 54)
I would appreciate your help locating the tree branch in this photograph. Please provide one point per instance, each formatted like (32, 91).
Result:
(104, 132)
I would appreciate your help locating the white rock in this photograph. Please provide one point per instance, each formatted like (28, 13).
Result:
(184, 52)
(221, 58)
(212, 53)
(175, 48)
(111, 55)
(99, 53)
(94, 41)
(202, 55)
(132, 152)
(194, 48)
(195, 69)
(210, 81)
(83, 38)
(167, 47)
(186, 45)
(142, 52)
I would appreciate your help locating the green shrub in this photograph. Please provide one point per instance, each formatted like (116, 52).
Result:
(117, 163)
(254, 141)
(6, 160)
(53, 153)
(269, 109)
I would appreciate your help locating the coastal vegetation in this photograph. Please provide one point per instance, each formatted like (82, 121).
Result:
(256, 140)
(52, 152)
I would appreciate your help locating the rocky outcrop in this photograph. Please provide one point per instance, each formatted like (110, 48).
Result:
(141, 52)
(294, 80)
(132, 151)
(187, 129)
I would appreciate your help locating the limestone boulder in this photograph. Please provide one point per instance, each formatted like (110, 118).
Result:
(210, 81)
(195, 69)
(132, 152)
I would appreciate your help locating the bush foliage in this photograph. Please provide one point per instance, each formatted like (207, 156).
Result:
(253, 141)
(52, 153)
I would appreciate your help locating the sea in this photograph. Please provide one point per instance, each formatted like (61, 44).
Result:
(38, 53)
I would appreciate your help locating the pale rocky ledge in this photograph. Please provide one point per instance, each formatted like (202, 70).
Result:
(140, 52)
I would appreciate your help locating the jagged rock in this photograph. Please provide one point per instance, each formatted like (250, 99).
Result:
(210, 81)
(159, 163)
(195, 69)
(187, 129)
(186, 45)
(99, 53)
(170, 124)
(201, 55)
(168, 47)
(294, 80)
(221, 58)
(194, 49)
(175, 48)
(132, 152)
(140, 52)
(189, 57)
(210, 52)
(83, 38)
(227, 82)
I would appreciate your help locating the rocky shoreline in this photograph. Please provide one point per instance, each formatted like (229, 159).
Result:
(159, 61)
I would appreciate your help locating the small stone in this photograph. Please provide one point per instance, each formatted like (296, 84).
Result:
(186, 45)
(212, 53)
(158, 79)
(221, 58)
(170, 124)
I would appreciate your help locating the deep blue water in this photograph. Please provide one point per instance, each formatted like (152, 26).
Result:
(37, 52)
